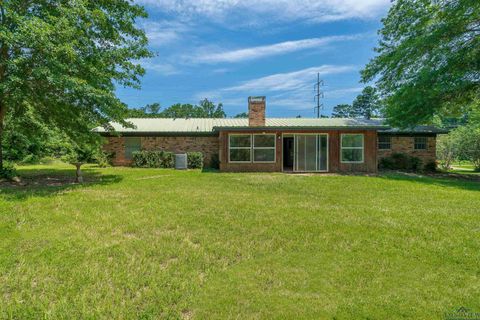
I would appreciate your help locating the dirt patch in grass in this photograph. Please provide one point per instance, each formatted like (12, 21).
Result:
(45, 180)
(443, 175)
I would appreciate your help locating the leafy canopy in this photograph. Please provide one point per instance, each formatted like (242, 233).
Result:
(61, 61)
(241, 115)
(205, 109)
(367, 105)
(428, 60)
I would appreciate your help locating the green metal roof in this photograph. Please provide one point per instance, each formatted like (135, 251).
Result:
(418, 129)
(209, 125)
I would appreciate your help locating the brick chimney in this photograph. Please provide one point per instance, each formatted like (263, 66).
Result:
(256, 111)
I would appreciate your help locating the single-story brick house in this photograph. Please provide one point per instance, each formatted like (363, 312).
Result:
(274, 144)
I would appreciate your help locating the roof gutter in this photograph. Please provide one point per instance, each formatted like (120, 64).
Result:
(246, 128)
(157, 134)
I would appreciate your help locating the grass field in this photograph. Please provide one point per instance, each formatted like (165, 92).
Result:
(154, 244)
(464, 167)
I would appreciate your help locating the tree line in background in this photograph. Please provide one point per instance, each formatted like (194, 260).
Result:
(205, 109)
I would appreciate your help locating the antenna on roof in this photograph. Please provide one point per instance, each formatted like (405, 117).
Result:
(318, 95)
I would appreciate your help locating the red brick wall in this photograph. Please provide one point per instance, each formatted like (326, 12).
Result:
(405, 144)
(116, 145)
(370, 152)
(256, 111)
(208, 145)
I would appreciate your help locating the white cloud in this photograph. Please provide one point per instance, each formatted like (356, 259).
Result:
(265, 11)
(162, 68)
(267, 50)
(161, 33)
(338, 93)
(288, 81)
(292, 90)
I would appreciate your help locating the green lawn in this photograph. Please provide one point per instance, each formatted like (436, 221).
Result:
(464, 167)
(149, 244)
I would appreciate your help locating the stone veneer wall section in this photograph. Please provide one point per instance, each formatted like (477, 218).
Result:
(405, 144)
(208, 145)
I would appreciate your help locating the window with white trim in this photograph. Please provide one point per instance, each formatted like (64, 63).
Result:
(352, 148)
(240, 148)
(384, 142)
(420, 143)
(258, 148)
(263, 148)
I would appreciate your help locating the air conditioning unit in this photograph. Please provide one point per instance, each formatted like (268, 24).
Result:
(181, 161)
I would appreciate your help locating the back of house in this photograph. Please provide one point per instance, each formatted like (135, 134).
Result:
(265, 144)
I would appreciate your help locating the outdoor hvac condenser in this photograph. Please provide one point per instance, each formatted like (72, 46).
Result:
(181, 161)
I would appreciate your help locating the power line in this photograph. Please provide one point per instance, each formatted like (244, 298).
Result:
(318, 95)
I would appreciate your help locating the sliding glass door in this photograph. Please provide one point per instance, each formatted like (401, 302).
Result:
(311, 152)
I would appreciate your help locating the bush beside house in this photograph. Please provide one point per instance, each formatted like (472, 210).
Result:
(164, 159)
(405, 162)
(195, 160)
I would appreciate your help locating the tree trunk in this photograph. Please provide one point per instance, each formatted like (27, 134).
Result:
(79, 176)
(3, 106)
(2, 117)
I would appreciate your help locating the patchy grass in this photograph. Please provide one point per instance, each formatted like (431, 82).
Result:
(153, 243)
(464, 167)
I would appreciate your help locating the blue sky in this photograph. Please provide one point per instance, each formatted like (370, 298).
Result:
(227, 50)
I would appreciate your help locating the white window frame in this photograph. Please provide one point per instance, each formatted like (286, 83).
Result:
(274, 148)
(415, 144)
(239, 148)
(352, 148)
(389, 143)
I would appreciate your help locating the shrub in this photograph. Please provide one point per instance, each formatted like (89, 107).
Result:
(215, 161)
(8, 171)
(430, 166)
(194, 160)
(104, 159)
(153, 159)
(401, 161)
(415, 164)
(30, 159)
(386, 163)
(447, 150)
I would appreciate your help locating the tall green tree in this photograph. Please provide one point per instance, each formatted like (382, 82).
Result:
(367, 104)
(180, 110)
(428, 60)
(62, 60)
(343, 111)
(208, 109)
(205, 109)
(149, 111)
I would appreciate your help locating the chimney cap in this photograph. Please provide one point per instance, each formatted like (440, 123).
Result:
(256, 99)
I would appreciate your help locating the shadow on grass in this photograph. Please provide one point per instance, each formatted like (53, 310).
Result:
(460, 181)
(48, 182)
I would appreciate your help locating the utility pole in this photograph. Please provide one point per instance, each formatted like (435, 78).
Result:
(318, 95)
